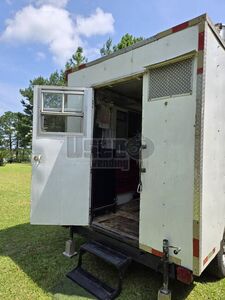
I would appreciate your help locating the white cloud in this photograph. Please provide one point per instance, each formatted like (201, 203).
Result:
(9, 2)
(40, 56)
(48, 25)
(98, 23)
(57, 3)
(54, 26)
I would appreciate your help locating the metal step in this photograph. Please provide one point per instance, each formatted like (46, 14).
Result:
(91, 284)
(107, 254)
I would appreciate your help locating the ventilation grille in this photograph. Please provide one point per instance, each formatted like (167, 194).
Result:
(171, 80)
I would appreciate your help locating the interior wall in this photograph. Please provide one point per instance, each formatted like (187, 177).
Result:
(125, 180)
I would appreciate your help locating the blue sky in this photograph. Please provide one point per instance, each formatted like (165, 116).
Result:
(37, 36)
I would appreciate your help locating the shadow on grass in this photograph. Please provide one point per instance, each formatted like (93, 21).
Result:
(37, 250)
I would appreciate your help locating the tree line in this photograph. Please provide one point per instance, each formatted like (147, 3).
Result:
(16, 127)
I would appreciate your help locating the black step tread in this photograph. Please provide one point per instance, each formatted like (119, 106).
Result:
(109, 255)
(92, 284)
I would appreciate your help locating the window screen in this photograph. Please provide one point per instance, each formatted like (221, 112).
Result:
(171, 80)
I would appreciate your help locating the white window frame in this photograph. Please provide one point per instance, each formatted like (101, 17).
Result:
(63, 91)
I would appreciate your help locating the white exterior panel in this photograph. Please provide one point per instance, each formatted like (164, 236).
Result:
(135, 61)
(213, 160)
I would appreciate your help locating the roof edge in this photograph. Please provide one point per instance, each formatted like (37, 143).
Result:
(215, 31)
(174, 29)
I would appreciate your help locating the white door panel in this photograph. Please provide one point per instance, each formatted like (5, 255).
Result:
(166, 205)
(61, 175)
(167, 196)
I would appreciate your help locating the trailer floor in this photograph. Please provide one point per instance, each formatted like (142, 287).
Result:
(125, 221)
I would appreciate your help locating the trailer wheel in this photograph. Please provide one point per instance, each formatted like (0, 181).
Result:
(217, 266)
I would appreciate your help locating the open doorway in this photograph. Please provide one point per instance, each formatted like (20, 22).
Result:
(116, 156)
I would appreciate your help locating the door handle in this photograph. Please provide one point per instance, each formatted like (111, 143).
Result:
(144, 146)
(37, 158)
(141, 168)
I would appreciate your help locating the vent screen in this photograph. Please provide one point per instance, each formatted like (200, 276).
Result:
(171, 80)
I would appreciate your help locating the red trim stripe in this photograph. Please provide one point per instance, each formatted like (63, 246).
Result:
(180, 27)
(210, 255)
(83, 66)
(67, 72)
(205, 260)
(200, 71)
(195, 248)
(157, 253)
(201, 41)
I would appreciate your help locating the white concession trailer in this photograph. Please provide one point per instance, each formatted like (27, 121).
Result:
(131, 155)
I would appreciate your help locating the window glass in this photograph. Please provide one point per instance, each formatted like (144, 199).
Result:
(62, 123)
(52, 102)
(74, 124)
(73, 103)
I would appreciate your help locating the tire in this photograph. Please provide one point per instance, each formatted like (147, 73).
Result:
(217, 266)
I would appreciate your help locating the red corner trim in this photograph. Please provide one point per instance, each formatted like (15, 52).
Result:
(180, 27)
(201, 41)
(195, 248)
(83, 66)
(200, 71)
(67, 72)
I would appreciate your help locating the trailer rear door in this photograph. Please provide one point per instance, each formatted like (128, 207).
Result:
(61, 155)
(169, 109)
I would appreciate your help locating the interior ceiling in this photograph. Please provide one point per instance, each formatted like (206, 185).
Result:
(131, 88)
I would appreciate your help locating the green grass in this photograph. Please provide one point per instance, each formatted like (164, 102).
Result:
(32, 265)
